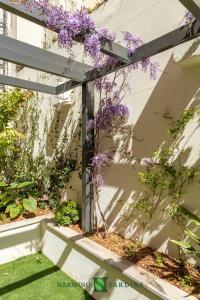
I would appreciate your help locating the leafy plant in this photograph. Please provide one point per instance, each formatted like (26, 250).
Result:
(10, 139)
(185, 281)
(165, 177)
(186, 246)
(131, 249)
(67, 213)
(179, 125)
(15, 198)
(10, 103)
(59, 176)
(42, 205)
(159, 259)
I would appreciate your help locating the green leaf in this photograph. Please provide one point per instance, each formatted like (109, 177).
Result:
(13, 186)
(193, 236)
(25, 185)
(5, 201)
(184, 245)
(22, 185)
(8, 208)
(3, 184)
(194, 218)
(30, 204)
(15, 211)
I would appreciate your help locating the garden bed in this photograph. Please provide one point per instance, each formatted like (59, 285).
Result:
(28, 215)
(83, 260)
(184, 276)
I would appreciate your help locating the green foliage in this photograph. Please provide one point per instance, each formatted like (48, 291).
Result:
(179, 125)
(30, 204)
(67, 213)
(185, 281)
(131, 249)
(59, 176)
(10, 139)
(192, 217)
(186, 246)
(159, 259)
(15, 198)
(10, 103)
(165, 177)
(42, 205)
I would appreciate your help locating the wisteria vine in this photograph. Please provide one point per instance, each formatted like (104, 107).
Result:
(111, 113)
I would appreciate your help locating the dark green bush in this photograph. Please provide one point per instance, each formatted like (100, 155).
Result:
(67, 213)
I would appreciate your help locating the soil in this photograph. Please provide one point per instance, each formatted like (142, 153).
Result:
(186, 277)
(28, 215)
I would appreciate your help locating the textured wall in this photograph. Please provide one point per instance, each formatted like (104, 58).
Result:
(176, 87)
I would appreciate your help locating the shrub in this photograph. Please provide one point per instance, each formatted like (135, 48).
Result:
(16, 198)
(67, 213)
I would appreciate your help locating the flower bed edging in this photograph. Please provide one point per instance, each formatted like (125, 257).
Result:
(84, 259)
(21, 238)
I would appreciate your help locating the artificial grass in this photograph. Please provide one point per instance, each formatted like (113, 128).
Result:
(36, 277)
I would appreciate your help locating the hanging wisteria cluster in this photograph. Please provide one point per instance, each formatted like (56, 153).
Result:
(80, 26)
(188, 17)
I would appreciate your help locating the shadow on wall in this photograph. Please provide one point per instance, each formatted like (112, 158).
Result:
(58, 121)
(173, 92)
(63, 138)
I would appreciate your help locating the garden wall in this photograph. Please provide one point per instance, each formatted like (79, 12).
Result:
(153, 105)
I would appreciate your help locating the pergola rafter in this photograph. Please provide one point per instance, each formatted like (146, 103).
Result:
(193, 6)
(33, 57)
(26, 84)
(110, 48)
(80, 74)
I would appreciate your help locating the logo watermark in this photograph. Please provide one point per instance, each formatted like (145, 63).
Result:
(100, 284)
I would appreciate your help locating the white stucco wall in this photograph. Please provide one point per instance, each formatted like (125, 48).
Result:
(176, 87)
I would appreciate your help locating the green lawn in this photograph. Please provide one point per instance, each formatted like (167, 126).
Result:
(34, 277)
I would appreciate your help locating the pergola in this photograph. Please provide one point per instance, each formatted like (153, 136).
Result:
(14, 51)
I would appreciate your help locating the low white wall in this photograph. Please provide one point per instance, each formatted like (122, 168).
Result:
(20, 238)
(83, 260)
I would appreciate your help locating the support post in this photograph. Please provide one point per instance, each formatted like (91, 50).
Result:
(87, 155)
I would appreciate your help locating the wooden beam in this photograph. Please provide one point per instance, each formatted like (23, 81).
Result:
(107, 47)
(33, 57)
(163, 43)
(193, 6)
(26, 84)
(87, 155)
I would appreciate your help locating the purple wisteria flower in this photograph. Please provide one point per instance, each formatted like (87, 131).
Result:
(92, 45)
(132, 42)
(105, 33)
(99, 161)
(105, 85)
(80, 26)
(145, 62)
(106, 117)
(111, 60)
(188, 17)
(90, 124)
(153, 70)
(97, 179)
